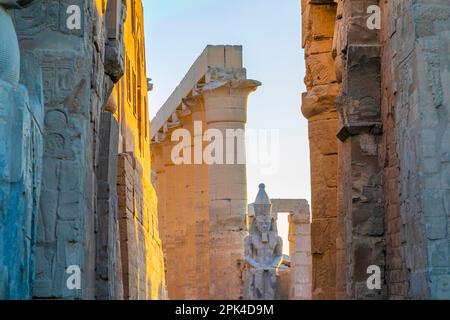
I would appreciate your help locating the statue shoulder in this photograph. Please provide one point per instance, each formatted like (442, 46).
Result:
(279, 240)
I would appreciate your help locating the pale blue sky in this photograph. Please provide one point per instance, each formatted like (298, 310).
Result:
(177, 31)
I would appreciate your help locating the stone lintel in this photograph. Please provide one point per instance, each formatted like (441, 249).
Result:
(297, 208)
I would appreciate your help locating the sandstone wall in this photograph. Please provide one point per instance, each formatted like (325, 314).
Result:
(357, 51)
(416, 38)
(318, 106)
(391, 174)
(140, 243)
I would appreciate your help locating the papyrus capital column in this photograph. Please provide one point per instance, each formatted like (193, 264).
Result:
(225, 95)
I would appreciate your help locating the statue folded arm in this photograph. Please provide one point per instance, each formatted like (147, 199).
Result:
(248, 254)
(278, 254)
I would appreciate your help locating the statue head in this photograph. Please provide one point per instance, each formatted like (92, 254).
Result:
(263, 223)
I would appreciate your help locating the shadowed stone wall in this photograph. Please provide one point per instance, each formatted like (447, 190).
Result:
(140, 242)
(318, 106)
(76, 86)
(392, 171)
(88, 136)
(416, 99)
(21, 147)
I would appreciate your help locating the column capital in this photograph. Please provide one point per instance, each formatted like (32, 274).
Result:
(233, 79)
(195, 103)
(225, 94)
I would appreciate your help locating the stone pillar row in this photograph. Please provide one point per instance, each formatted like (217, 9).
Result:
(202, 207)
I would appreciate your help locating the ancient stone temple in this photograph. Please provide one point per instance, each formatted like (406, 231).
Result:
(199, 159)
(377, 103)
(78, 215)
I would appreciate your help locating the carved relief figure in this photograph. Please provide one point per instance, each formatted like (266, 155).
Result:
(263, 252)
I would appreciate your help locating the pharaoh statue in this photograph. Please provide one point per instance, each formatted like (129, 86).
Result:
(263, 252)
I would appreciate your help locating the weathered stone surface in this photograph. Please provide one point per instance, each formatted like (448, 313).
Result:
(419, 102)
(318, 106)
(21, 148)
(78, 228)
(75, 89)
(392, 175)
(9, 49)
(263, 252)
(108, 260)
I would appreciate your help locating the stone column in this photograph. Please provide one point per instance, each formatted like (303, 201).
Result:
(160, 188)
(108, 266)
(300, 251)
(318, 106)
(201, 198)
(225, 96)
(178, 221)
(170, 220)
(76, 87)
(189, 216)
(360, 131)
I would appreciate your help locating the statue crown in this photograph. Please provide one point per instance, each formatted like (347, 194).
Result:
(262, 204)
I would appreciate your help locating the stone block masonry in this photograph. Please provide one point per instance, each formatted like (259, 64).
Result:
(392, 107)
(89, 228)
(76, 85)
(319, 108)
